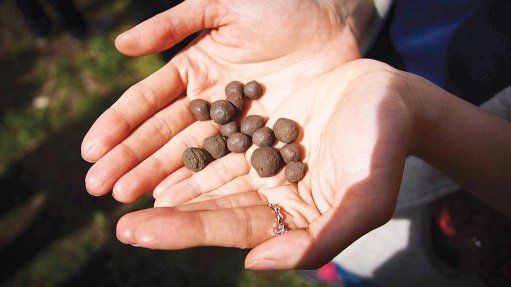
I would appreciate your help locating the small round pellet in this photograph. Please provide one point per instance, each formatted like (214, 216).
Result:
(251, 124)
(229, 128)
(196, 159)
(222, 112)
(200, 109)
(263, 137)
(215, 146)
(266, 161)
(235, 95)
(238, 142)
(291, 152)
(295, 171)
(285, 130)
(253, 90)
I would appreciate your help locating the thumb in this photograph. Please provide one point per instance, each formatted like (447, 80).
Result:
(325, 237)
(170, 27)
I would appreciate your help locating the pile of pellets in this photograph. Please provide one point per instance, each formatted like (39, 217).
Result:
(238, 137)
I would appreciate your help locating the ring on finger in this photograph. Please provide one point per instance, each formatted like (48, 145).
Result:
(280, 228)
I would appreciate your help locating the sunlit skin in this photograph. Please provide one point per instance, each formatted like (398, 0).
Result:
(359, 120)
(355, 133)
(364, 119)
(138, 141)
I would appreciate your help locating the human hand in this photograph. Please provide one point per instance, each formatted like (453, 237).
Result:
(139, 140)
(358, 126)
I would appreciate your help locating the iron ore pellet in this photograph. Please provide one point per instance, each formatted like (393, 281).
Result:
(263, 137)
(238, 142)
(229, 128)
(295, 171)
(266, 161)
(222, 112)
(291, 152)
(253, 90)
(285, 130)
(235, 95)
(196, 159)
(200, 109)
(216, 146)
(251, 123)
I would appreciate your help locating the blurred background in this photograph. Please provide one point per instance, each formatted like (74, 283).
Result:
(59, 70)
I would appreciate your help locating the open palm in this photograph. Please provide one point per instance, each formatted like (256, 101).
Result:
(137, 142)
(357, 129)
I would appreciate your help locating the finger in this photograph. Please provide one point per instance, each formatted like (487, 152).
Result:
(224, 176)
(144, 177)
(197, 191)
(170, 27)
(236, 227)
(124, 229)
(326, 237)
(174, 178)
(232, 201)
(136, 105)
(126, 224)
(216, 174)
(249, 182)
(246, 183)
(145, 140)
(240, 184)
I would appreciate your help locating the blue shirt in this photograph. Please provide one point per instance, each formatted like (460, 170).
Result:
(463, 46)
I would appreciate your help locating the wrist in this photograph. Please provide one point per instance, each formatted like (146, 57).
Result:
(355, 14)
(428, 107)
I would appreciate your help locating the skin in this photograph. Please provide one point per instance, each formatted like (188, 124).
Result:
(136, 142)
(360, 120)
(226, 206)
(365, 119)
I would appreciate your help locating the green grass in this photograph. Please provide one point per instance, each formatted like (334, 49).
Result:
(52, 232)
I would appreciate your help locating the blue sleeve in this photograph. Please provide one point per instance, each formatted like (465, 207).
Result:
(463, 46)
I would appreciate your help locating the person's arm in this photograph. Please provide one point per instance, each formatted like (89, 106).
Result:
(284, 44)
(365, 18)
(356, 14)
(470, 145)
(365, 118)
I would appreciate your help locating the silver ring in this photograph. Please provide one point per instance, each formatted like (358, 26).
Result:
(281, 228)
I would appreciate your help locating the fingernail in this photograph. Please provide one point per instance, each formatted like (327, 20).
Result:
(93, 182)
(123, 36)
(126, 237)
(162, 202)
(145, 239)
(157, 191)
(262, 265)
(121, 192)
(93, 150)
(157, 203)
(92, 185)
(120, 197)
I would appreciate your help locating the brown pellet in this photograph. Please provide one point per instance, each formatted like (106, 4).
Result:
(200, 109)
(235, 95)
(251, 123)
(196, 159)
(295, 171)
(215, 146)
(229, 128)
(222, 112)
(266, 161)
(253, 90)
(238, 142)
(291, 152)
(263, 137)
(285, 130)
